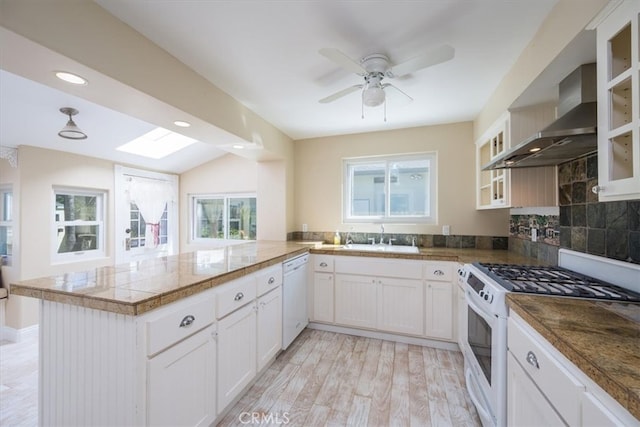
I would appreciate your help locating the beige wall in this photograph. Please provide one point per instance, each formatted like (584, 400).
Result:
(38, 171)
(226, 174)
(318, 179)
(270, 180)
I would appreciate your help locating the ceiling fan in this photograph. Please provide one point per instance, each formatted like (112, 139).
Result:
(374, 68)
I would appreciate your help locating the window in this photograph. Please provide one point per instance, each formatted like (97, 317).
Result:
(78, 224)
(390, 189)
(138, 228)
(224, 216)
(6, 225)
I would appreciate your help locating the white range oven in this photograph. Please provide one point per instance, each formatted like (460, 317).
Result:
(578, 275)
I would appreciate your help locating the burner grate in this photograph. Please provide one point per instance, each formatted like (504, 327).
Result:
(555, 281)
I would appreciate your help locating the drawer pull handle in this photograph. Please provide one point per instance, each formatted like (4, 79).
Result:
(271, 280)
(323, 264)
(238, 296)
(187, 321)
(439, 273)
(532, 360)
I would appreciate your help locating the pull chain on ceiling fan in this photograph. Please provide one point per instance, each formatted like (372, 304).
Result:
(374, 68)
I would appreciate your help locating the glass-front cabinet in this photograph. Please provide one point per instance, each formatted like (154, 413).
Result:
(619, 104)
(492, 184)
(506, 188)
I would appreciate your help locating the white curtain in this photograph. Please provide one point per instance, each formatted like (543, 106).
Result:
(151, 196)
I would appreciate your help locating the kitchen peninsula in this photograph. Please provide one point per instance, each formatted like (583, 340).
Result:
(169, 340)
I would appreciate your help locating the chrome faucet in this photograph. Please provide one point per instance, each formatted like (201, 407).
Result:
(381, 234)
(348, 239)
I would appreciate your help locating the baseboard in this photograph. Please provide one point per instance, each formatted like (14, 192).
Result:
(425, 342)
(17, 335)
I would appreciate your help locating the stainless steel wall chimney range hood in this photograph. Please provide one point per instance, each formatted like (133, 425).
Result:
(572, 135)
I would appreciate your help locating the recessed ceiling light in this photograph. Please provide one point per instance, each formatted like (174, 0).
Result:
(534, 149)
(71, 78)
(157, 144)
(238, 146)
(182, 123)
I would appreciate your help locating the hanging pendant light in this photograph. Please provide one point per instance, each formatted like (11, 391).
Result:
(71, 131)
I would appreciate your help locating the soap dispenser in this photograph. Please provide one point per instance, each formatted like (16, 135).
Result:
(336, 238)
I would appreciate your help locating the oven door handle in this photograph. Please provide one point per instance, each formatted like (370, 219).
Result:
(482, 412)
(480, 312)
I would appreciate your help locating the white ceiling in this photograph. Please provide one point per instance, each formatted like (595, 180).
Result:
(265, 55)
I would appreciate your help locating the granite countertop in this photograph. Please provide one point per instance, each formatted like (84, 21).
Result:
(139, 287)
(601, 338)
(436, 254)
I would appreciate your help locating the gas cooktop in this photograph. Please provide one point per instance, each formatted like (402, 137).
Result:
(555, 281)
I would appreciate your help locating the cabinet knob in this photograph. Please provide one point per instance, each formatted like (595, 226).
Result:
(271, 280)
(532, 360)
(323, 264)
(238, 296)
(187, 321)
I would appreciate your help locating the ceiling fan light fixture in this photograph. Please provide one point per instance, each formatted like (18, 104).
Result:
(373, 96)
(71, 130)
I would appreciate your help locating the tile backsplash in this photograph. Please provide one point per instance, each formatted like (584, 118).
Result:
(609, 229)
(421, 240)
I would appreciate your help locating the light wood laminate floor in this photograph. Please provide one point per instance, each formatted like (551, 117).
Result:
(330, 379)
(323, 379)
(19, 381)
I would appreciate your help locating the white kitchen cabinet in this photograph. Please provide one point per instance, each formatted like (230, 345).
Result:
(439, 307)
(237, 336)
(407, 297)
(356, 300)
(269, 326)
(526, 405)
(618, 65)
(439, 310)
(492, 185)
(323, 297)
(181, 382)
(400, 306)
(596, 414)
(321, 294)
(545, 388)
(504, 188)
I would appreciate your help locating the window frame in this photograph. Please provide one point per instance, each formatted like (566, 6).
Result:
(430, 188)
(6, 222)
(101, 212)
(225, 197)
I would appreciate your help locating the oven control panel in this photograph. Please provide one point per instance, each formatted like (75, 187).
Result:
(486, 295)
(479, 287)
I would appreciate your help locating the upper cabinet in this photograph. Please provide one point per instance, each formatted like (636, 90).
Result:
(619, 104)
(506, 188)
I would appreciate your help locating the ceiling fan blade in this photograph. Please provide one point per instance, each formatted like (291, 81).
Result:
(342, 60)
(433, 57)
(386, 85)
(340, 94)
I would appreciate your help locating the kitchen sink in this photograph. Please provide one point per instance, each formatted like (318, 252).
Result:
(381, 248)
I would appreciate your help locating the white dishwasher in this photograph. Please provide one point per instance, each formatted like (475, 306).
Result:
(294, 298)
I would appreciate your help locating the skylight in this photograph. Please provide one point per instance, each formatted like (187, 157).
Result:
(157, 144)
